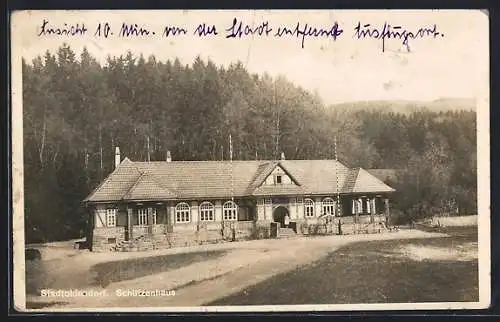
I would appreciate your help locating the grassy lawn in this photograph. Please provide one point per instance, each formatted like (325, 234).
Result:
(373, 272)
(116, 271)
(39, 276)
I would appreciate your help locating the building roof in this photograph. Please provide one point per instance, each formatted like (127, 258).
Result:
(176, 180)
(384, 175)
(147, 188)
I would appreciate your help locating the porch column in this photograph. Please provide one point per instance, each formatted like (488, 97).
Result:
(359, 208)
(387, 212)
(338, 208)
(129, 223)
(317, 207)
(170, 216)
(150, 220)
(194, 212)
(268, 209)
(218, 211)
(293, 208)
(373, 211)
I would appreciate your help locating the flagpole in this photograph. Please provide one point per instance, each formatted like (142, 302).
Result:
(231, 165)
(336, 174)
(230, 148)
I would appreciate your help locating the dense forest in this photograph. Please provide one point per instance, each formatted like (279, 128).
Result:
(77, 110)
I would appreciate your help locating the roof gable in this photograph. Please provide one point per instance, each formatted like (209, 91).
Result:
(272, 169)
(366, 182)
(318, 176)
(117, 183)
(147, 188)
(262, 172)
(384, 175)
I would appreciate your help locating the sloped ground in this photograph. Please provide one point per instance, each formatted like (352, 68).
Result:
(217, 277)
(441, 269)
(451, 221)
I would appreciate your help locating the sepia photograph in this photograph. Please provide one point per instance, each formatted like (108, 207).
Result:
(250, 160)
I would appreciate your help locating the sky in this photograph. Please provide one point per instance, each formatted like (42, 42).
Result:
(454, 64)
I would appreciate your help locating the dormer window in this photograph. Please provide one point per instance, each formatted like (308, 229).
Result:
(279, 177)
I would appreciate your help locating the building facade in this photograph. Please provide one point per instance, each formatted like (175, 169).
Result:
(148, 205)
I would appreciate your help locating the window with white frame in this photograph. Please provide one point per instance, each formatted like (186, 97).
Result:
(230, 211)
(206, 211)
(142, 216)
(182, 213)
(368, 206)
(309, 208)
(328, 206)
(111, 217)
(357, 206)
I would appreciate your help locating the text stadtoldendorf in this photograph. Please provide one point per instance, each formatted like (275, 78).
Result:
(238, 29)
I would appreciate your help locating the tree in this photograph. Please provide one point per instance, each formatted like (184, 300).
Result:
(76, 111)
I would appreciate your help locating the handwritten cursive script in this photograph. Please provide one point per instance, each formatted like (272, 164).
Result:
(239, 29)
(308, 31)
(398, 32)
(64, 30)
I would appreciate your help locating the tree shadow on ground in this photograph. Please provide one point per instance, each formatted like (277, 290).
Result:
(116, 271)
(363, 273)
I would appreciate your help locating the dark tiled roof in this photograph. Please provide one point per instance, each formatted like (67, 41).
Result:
(224, 179)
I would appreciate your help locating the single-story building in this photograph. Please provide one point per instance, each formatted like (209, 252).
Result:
(147, 205)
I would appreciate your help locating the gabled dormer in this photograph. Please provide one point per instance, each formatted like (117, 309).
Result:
(279, 176)
(275, 179)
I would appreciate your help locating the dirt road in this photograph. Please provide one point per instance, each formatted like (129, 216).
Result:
(244, 264)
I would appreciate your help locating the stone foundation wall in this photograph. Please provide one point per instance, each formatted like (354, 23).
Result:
(244, 230)
(139, 230)
(342, 225)
(105, 238)
(262, 230)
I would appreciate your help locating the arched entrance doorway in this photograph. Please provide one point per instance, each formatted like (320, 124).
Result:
(279, 214)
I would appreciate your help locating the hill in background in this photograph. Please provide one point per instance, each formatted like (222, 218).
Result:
(406, 107)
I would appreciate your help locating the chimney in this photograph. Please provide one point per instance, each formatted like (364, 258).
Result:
(169, 157)
(117, 157)
(282, 156)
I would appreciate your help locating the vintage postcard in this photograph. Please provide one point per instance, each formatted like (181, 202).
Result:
(251, 160)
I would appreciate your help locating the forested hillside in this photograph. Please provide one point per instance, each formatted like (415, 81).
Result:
(76, 111)
(408, 107)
